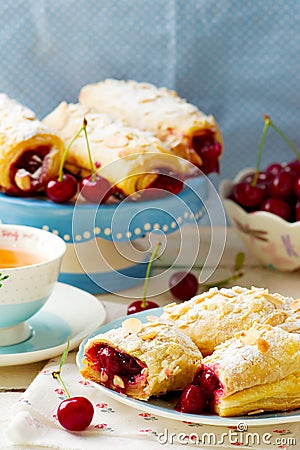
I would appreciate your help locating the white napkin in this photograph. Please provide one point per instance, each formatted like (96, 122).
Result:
(34, 422)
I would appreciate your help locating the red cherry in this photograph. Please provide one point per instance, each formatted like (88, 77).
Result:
(247, 195)
(108, 360)
(263, 178)
(281, 186)
(274, 168)
(278, 207)
(183, 285)
(75, 413)
(192, 400)
(62, 191)
(139, 306)
(297, 186)
(297, 211)
(95, 188)
(209, 151)
(294, 166)
(209, 382)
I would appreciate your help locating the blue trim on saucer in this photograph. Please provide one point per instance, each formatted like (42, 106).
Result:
(107, 282)
(47, 329)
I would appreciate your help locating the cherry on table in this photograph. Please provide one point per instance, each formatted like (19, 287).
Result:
(60, 191)
(183, 285)
(139, 306)
(75, 413)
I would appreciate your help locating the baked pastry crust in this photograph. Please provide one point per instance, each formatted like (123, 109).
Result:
(168, 358)
(159, 110)
(258, 370)
(22, 135)
(129, 158)
(216, 315)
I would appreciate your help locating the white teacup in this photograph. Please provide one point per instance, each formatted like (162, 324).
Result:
(30, 261)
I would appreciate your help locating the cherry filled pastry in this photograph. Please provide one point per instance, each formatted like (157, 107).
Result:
(229, 352)
(141, 359)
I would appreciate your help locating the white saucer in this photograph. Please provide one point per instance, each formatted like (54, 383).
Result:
(68, 312)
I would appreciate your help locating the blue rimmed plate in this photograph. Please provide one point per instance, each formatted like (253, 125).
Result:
(165, 407)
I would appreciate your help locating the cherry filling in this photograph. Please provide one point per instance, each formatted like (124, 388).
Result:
(29, 173)
(209, 151)
(118, 371)
(202, 394)
(164, 183)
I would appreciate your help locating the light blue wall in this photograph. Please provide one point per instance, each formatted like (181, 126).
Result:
(236, 59)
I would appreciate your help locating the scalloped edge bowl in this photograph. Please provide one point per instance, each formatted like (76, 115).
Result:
(273, 241)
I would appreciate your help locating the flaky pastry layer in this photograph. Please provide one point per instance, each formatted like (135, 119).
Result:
(22, 134)
(168, 357)
(258, 370)
(129, 158)
(216, 315)
(159, 110)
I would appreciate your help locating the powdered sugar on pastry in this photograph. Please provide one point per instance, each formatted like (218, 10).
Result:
(257, 369)
(216, 315)
(147, 359)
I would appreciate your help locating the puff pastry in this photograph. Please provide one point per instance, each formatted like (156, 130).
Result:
(258, 370)
(141, 359)
(216, 315)
(181, 126)
(30, 152)
(130, 159)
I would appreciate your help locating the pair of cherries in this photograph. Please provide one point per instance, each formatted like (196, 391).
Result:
(93, 188)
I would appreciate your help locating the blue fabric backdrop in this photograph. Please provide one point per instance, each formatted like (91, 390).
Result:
(235, 59)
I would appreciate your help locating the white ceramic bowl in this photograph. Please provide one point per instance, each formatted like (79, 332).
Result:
(272, 240)
(25, 289)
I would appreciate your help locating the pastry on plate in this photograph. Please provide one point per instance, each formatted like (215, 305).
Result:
(216, 315)
(141, 360)
(131, 159)
(30, 152)
(256, 371)
(181, 126)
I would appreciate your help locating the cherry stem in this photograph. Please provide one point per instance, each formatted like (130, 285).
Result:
(236, 272)
(153, 255)
(286, 140)
(65, 153)
(92, 166)
(261, 145)
(57, 373)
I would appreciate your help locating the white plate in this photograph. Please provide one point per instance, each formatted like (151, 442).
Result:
(165, 408)
(68, 312)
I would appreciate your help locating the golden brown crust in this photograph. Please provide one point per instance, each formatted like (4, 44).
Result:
(127, 157)
(255, 376)
(21, 131)
(215, 316)
(159, 110)
(170, 358)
